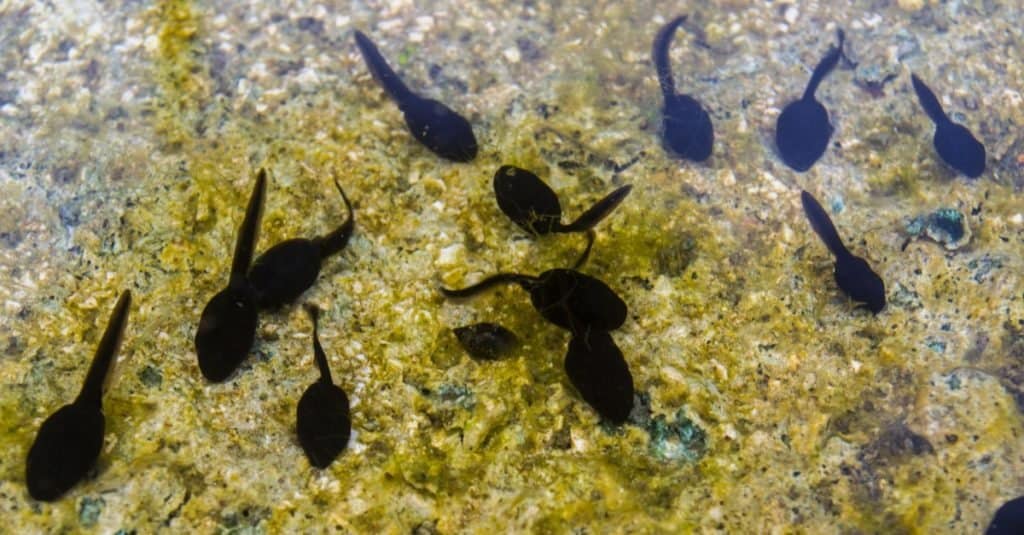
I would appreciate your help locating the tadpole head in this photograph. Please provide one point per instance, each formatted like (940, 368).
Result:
(856, 278)
(323, 423)
(527, 200)
(65, 449)
(599, 372)
(575, 301)
(440, 129)
(802, 133)
(226, 331)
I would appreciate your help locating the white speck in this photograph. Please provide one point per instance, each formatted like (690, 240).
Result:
(1017, 218)
(512, 54)
(151, 44)
(449, 255)
(791, 14)
(307, 79)
(855, 365)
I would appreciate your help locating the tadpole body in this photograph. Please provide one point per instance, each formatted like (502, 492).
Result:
(436, 126)
(227, 326)
(283, 272)
(686, 127)
(533, 205)
(70, 440)
(322, 418)
(853, 274)
(803, 130)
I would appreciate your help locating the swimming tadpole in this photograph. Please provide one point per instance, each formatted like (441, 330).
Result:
(533, 205)
(69, 441)
(227, 326)
(283, 272)
(803, 130)
(686, 127)
(436, 126)
(322, 418)
(853, 274)
(955, 144)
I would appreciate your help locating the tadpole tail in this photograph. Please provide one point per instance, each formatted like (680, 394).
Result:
(822, 225)
(501, 278)
(380, 69)
(825, 66)
(318, 350)
(660, 53)
(92, 388)
(339, 237)
(928, 101)
(248, 233)
(598, 211)
(586, 252)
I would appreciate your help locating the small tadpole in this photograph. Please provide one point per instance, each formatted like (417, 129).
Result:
(534, 206)
(1009, 519)
(686, 127)
(436, 126)
(955, 144)
(282, 273)
(227, 326)
(322, 418)
(599, 372)
(69, 441)
(853, 274)
(565, 297)
(803, 130)
(486, 341)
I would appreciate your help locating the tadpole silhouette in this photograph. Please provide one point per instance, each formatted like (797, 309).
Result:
(853, 274)
(686, 127)
(1009, 519)
(433, 124)
(534, 206)
(69, 441)
(955, 144)
(803, 130)
(284, 271)
(564, 297)
(599, 372)
(322, 418)
(227, 327)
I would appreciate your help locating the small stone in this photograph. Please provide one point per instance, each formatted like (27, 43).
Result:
(486, 341)
(512, 54)
(946, 226)
(89, 510)
(910, 5)
(150, 376)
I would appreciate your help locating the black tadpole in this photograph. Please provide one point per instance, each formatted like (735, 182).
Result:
(322, 418)
(433, 124)
(283, 272)
(599, 372)
(954, 142)
(533, 205)
(227, 327)
(853, 274)
(803, 129)
(69, 441)
(686, 126)
(1009, 519)
(564, 297)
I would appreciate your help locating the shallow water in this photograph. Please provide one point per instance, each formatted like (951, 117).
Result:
(131, 134)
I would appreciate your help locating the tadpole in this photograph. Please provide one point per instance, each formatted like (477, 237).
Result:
(534, 206)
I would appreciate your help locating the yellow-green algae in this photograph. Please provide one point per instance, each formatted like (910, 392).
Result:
(747, 336)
